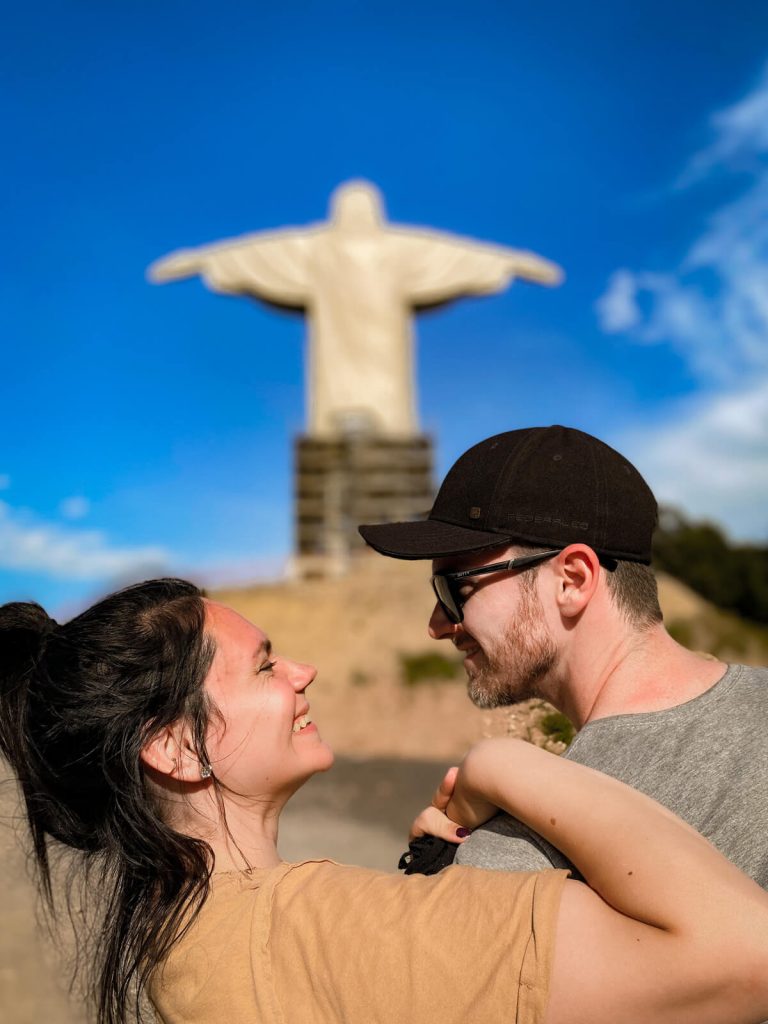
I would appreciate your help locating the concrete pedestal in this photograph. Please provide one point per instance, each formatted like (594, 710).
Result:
(342, 482)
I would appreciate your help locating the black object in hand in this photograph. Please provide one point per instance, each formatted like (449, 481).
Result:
(427, 855)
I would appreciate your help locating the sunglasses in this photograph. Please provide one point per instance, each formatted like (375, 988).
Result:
(447, 585)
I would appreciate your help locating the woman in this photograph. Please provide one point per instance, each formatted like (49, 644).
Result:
(157, 734)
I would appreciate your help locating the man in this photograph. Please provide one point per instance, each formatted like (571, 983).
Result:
(540, 541)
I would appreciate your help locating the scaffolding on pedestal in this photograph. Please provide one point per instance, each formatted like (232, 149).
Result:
(342, 482)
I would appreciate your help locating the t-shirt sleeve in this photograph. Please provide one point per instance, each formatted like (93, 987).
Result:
(506, 844)
(462, 946)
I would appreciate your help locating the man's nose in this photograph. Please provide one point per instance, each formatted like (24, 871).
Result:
(440, 626)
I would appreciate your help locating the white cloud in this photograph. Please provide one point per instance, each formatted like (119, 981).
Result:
(711, 456)
(739, 131)
(76, 507)
(617, 309)
(713, 307)
(30, 545)
(712, 459)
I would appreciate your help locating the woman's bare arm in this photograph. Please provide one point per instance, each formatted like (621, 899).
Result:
(672, 931)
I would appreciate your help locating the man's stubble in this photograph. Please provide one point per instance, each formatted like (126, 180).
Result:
(524, 655)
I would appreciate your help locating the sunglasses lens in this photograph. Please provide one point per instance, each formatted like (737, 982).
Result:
(442, 589)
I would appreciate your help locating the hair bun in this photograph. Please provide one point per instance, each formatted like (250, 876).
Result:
(24, 630)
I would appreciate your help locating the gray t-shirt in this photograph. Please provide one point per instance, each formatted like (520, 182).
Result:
(707, 760)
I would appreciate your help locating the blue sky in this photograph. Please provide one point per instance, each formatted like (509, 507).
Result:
(149, 429)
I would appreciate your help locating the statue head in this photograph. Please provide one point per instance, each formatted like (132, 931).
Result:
(357, 206)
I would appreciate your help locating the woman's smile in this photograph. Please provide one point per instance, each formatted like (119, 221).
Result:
(266, 743)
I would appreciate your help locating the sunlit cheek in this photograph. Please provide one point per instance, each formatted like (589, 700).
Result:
(227, 745)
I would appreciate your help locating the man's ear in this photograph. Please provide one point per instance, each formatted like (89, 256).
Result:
(170, 752)
(578, 576)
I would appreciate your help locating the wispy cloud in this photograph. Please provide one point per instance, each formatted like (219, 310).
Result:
(617, 308)
(739, 133)
(27, 544)
(712, 459)
(76, 507)
(713, 309)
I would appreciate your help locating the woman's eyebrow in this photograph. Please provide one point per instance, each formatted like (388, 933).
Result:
(263, 649)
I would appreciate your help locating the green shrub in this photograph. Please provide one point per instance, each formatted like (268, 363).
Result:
(558, 727)
(732, 576)
(428, 667)
(730, 640)
(681, 631)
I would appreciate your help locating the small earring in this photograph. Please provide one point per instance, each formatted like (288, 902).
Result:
(205, 771)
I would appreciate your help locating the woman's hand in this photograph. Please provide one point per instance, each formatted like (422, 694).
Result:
(460, 802)
(471, 802)
(433, 820)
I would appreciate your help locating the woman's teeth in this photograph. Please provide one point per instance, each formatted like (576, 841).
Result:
(301, 723)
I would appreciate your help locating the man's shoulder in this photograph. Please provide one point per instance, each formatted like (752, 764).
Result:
(741, 691)
(687, 757)
(684, 750)
(748, 675)
(506, 844)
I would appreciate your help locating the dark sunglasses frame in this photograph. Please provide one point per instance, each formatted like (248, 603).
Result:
(447, 594)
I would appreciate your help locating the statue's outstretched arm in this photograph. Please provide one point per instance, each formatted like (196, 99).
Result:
(439, 267)
(533, 268)
(272, 266)
(182, 263)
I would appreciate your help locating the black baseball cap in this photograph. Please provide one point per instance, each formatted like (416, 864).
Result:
(541, 485)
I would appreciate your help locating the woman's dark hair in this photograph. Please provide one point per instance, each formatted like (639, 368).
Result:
(77, 704)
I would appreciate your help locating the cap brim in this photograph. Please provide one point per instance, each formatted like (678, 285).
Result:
(428, 538)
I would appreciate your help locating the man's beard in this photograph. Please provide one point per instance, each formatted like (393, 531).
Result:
(525, 654)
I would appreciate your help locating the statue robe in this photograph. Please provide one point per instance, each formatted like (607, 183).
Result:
(358, 285)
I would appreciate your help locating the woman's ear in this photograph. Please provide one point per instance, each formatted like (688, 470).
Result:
(170, 752)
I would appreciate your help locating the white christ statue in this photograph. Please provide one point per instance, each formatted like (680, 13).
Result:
(359, 280)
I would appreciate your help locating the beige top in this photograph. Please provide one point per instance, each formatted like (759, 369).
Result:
(322, 943)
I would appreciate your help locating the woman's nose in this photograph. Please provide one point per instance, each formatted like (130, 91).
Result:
(301, 675)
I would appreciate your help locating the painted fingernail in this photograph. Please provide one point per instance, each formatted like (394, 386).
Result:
(462, 832)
